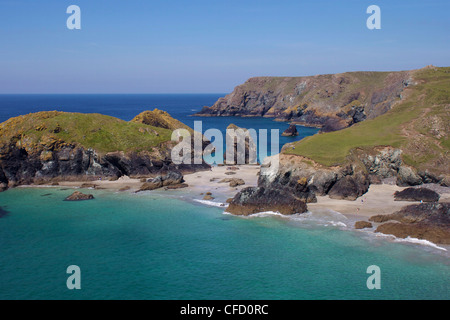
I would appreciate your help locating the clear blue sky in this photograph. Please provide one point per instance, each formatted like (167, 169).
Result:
(164, 46)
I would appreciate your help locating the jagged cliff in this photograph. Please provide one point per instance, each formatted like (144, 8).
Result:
(46, 147)
(408, 145)
(332, 101)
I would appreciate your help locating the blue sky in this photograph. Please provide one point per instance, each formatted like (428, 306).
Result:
(195, 46)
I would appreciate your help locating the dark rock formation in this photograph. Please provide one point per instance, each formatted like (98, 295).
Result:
(417, 194)
(253, 200)
(78, 196)
(291, 131)
(350, 187)
(429, 221)
(171, 178)
(240, 143)
(363, 225)
(50, 156)
(335, 101)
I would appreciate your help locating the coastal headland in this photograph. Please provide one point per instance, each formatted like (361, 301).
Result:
(381, 133)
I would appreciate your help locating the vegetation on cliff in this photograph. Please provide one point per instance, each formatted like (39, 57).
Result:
(46, 146)
(91, 131)
(332, 101)
(418, 125)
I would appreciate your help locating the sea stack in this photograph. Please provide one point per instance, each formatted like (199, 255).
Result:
(291, 131)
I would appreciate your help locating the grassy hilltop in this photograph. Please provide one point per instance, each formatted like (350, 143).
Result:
(418, 124)
(91, 131)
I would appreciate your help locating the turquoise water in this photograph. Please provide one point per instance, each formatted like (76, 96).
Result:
(148, 247)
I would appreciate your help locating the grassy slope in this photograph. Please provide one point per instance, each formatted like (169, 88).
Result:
(408, 126)
(100, 132)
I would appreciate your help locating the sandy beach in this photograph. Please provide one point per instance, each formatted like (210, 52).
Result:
(378, 200)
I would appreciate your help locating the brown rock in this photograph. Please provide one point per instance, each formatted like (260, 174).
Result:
(417, 194)
(78, 196)
(254, 200)
(363, 225)
(429, 221)
(177, 186)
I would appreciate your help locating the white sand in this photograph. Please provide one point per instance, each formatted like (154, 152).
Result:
(378, 200)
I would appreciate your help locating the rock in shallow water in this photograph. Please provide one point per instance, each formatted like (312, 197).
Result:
(291, 131)
(363, 225)
(258, 199)
(78, 196)
(429, 221)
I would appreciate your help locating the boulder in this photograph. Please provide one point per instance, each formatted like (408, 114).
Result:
(408, 177)
(234, 182)
(291, 131)
(258, 199)
(363, 225)
(171, 178)
(208, 197)
(350, 187)
(78, 196)
(417, 194)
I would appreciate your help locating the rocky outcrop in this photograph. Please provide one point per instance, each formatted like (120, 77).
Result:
(291, 131)
(85, 147)
(350, 187)
(78, 196)
(363, 225)
(429, 221)
(416, 194)
(170, 179)
(254, 200)
(160, 119)
(330, 101)
(241, 148)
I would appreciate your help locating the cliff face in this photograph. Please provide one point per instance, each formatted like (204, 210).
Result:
(409, 145)
(329, 101)
(50, 146)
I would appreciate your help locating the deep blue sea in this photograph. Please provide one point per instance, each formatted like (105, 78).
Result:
(149, 246)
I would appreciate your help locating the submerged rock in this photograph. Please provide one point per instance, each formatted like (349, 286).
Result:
(429, 221)
(417, 194)
(3, 212)
(255, 199)
(78, 196)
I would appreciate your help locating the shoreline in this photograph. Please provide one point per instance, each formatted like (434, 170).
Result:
(379, 200)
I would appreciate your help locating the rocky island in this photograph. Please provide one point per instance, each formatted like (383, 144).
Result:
(48, 147)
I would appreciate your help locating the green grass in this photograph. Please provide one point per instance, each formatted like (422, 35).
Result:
(386, 130)
(96, 131)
